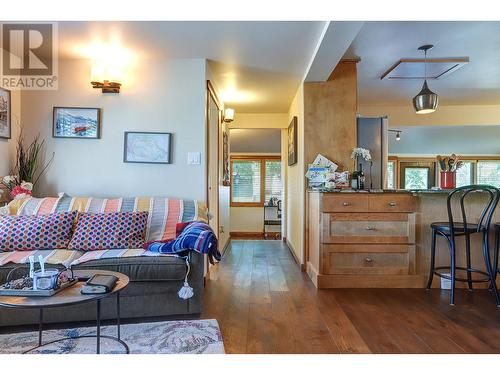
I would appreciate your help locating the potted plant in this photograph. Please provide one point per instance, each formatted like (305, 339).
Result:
(358, 176)
(27, 170)
(448, 170)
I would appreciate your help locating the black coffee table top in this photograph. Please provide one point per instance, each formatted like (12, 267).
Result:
(68, 296)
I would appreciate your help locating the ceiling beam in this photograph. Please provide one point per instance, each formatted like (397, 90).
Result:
(335, 42)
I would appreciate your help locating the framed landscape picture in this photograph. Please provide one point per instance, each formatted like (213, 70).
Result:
(147, 147)
(74, 122)
(5, 115)
(292, 142)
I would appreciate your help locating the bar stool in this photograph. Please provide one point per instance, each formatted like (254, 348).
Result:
(451, 229)
(497, 246)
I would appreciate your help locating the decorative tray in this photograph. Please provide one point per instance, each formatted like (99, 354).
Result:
(34, 293)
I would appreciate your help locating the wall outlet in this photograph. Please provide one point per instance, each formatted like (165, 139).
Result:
(194, 158)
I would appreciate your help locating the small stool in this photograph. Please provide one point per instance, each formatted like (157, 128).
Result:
(452, 229)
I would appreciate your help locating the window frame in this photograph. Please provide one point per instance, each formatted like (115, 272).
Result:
(262, 160)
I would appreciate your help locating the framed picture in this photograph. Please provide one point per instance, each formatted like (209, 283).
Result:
(5, 115)
(147, 147)
(74, 122)
(292, 142)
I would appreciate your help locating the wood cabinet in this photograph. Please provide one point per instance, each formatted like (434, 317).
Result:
(362, 240)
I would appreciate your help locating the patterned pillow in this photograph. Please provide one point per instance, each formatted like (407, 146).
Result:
(43, 232)
(113, 230)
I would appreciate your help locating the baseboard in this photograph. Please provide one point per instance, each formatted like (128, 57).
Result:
(254, 235)
(290, 248)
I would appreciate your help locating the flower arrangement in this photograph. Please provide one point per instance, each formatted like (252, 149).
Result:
(359, 152)
(24, 177)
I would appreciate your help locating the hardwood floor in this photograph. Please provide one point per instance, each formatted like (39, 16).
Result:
(265, 304)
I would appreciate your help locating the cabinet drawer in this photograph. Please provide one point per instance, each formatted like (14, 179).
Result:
(388, 228)
(345, 202)
(362, 263)
(392, 203)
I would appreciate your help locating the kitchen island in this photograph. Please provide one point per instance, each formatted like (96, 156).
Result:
(382, 239)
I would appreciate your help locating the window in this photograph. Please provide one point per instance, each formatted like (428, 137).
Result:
(390, 174)
(255, 180)
(416, 178)
(464, 174)
(488, 172)
(272, 186)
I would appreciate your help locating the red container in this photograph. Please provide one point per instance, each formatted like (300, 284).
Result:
(448, 180)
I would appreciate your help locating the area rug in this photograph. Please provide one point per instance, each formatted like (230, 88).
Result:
(172, 337)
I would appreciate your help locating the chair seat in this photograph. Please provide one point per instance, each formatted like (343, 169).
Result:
(444, 226)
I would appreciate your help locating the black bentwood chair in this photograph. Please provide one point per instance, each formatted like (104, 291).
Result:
(452, 229)
(497, 246)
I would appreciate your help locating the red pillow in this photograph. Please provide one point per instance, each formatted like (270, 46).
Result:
(41, 232)
(106, 231)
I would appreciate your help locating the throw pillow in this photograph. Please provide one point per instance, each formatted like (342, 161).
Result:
(106, 231)
(43, 232)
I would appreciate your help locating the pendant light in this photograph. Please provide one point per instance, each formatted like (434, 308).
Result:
(425, 101)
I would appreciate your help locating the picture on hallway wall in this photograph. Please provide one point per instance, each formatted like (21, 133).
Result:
(74, 122)
(147, 147)
(292, 142)
(5, 115)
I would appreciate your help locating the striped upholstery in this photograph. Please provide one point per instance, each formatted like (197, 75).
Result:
(164, 213)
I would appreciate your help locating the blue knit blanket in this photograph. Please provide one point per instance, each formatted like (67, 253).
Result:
(196, 236)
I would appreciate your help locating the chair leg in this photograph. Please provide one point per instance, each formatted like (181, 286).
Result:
(433, 259)
(495, 252)
(452, 270)
(489, 268)
(467, 252)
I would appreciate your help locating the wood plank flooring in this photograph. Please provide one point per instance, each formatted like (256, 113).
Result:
(265, 304)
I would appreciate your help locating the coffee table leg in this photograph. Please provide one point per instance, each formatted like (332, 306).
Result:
(98, 326)
(40, 327)
(118, 313)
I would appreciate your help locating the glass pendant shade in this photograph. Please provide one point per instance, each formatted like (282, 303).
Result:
(425, 101)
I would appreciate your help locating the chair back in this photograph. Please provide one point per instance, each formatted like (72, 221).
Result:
(493, 195)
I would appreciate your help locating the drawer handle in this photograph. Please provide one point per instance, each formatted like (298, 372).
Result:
(368, 260)
(370, 228)
(345, 204)
(392, 204)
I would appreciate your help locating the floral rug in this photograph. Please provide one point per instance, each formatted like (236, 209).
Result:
(172, 337)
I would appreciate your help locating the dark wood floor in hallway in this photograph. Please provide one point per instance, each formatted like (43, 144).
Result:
(265, 304)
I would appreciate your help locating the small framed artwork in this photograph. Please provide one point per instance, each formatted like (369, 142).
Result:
(5, 115)
(75, 122)
(292, 142)
(147, 147)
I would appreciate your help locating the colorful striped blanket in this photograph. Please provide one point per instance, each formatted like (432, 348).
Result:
(164, 215)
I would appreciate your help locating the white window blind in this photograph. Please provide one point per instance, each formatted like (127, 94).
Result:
(245, 186)
(273, 186)
(488, 172)
(464, 174)
(390, 175)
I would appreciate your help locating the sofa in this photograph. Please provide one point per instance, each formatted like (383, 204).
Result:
(154, 281)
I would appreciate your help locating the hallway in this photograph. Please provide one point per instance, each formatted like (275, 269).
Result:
(264, 304)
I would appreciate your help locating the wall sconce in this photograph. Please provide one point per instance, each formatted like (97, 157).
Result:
(228, 115)
(398, 133)
(106, 78)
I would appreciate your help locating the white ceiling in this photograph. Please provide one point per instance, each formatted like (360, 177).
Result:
(258, 65)
(381, 44)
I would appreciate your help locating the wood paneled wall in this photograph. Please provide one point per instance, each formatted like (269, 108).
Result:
(330, 116)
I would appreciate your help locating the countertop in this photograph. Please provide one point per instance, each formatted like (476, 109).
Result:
(380, 191)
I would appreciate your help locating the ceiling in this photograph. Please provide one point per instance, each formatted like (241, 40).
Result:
(258, 66)
(381, 44)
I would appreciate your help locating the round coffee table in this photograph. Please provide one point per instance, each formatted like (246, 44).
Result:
(69, 297)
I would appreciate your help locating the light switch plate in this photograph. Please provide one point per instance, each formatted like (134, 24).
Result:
(194, 158)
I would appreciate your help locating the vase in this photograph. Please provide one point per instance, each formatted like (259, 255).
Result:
(448, 180)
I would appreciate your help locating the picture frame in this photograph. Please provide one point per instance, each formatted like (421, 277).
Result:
(5, 114)
(76, 122)
(292, 142)
(147, 147)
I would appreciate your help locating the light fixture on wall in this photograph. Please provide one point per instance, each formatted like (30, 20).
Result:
(106, 78)
(228, 115)
(425, 101)
(398, 133)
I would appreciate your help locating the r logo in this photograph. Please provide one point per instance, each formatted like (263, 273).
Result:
(27, 49)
